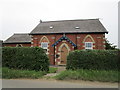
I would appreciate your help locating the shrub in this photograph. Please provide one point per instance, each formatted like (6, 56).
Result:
(25, 58)
(0, 56)
(93, 59)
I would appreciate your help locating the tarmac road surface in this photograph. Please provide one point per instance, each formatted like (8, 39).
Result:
(41, 83)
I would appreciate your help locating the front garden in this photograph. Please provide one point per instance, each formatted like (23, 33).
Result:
(32, 62)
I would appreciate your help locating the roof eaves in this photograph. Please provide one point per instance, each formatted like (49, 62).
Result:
(68, 32)
(16, 42)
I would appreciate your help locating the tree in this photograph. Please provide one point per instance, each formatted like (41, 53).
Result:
(109, 46)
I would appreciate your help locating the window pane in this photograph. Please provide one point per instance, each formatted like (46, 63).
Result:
(88, 45)
(44, 45)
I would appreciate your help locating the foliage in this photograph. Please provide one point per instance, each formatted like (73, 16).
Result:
(12, 73)
(25, 58)
(93, 59)
(91, 75)
(109, 46)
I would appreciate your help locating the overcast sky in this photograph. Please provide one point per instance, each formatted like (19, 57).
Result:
(22, 16)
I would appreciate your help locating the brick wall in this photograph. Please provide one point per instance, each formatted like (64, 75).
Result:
(78, 39)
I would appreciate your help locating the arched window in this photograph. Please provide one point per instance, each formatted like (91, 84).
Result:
(88, 42)
(44, 43)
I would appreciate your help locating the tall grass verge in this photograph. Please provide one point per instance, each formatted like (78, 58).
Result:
(90, 75)
(12, 73)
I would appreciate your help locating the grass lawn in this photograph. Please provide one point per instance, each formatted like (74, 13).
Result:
(12, 73)
(90, 75)
(52, 70)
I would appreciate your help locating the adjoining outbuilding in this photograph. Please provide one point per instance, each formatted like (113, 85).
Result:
(18, 40)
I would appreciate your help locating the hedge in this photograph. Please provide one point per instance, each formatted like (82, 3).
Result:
(25, 58)
(0, 57)
(93, 59)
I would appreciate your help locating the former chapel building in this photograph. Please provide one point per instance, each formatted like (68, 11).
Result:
(58, 38)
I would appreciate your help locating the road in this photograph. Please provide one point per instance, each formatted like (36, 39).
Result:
(40, 83)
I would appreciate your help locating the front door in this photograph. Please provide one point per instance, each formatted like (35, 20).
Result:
(64, 53)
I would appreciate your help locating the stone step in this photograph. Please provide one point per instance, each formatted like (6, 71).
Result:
(50, 74)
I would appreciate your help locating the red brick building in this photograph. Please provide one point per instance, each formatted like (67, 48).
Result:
(58, 38)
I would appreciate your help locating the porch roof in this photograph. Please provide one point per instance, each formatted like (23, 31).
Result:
(64, 38)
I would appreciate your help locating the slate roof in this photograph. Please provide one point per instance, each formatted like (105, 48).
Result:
(19, 38)
(70, 26)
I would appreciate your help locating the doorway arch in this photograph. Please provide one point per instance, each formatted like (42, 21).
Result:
(64, 51)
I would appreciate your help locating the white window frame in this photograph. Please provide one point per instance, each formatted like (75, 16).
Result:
(44, 43)
(89, 47)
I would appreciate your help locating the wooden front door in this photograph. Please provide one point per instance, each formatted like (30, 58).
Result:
(64, 53)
